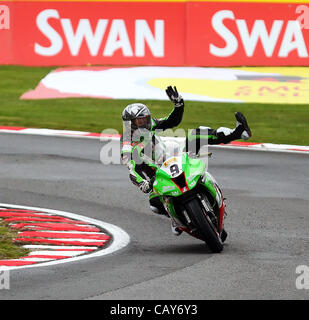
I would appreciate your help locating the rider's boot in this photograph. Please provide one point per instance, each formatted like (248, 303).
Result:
(157, 207)
(242, 126)
(175, 230)
(241, 131)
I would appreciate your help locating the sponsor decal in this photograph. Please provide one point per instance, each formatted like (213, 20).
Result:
(169, 161)
(167, 188)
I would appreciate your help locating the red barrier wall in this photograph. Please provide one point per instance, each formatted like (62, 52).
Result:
(6, 32)
(191, 33)
(246, 33)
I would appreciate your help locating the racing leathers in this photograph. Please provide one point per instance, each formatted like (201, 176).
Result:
(133, 149)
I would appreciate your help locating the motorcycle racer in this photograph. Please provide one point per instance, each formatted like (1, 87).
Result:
(140, 134)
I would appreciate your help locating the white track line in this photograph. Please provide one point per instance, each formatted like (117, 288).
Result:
(113, 137)
(119, 240)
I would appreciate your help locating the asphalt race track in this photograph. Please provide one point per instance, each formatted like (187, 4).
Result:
(268, 223)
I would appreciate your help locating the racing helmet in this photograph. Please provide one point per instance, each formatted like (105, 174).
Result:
(136, 116)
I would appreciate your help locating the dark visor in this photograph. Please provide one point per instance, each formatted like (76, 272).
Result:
(141, 122)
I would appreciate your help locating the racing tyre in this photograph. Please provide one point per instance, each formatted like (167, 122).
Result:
(204, 225)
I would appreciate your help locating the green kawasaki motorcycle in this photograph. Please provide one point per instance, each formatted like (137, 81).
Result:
(192, 198)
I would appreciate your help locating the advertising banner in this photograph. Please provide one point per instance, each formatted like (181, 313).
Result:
(158, 33)
(6, 33)
(235, 33)
(58, 33)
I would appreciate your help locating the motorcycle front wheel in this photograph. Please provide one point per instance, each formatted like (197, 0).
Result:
(201, 222)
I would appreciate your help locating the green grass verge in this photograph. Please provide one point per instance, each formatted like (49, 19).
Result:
(275, 123)
(8, 249)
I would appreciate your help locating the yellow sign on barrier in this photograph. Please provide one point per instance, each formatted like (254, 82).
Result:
(255, 84)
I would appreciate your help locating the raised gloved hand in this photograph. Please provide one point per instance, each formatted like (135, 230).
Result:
(174, 96)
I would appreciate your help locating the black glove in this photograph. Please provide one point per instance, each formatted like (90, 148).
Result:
(174, 96)
(145, 186)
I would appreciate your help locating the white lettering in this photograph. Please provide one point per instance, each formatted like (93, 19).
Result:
(4, 279)
(225, 33)
(259, 31)
(110, 152)
(175, 309)
(55, 39)
(118, 39)
(84, 31)
(293, 39)
(122, 310)
(143, 34)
